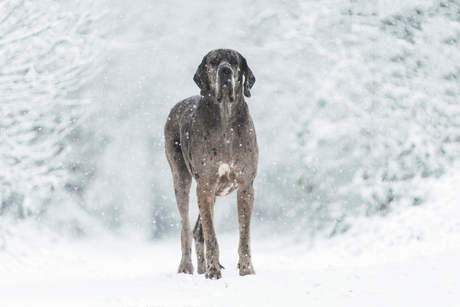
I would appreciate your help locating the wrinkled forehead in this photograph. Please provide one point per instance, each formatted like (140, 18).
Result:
(222, 55)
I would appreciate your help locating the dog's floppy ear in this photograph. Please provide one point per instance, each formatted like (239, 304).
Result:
(249, 78)
(201, 76)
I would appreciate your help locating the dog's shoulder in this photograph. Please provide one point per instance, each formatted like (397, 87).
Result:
(182, 109)
(186, 104)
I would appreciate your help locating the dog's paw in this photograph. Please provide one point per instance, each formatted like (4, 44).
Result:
(213, 272)
(213, 275)
(246, 269)
(185, 267)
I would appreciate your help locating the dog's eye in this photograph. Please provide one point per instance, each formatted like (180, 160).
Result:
(233, 61)
(215, 61)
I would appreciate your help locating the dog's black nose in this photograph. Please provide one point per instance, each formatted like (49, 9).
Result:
(225, 71)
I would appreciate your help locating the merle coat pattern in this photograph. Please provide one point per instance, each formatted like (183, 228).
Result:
(211, 137)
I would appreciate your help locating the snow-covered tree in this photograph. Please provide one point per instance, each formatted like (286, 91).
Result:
(48, 51)
(386, 115)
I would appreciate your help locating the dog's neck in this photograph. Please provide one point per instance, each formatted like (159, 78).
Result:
(222, 115)
(210, 100)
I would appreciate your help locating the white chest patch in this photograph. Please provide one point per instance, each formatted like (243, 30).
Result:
(226, 181)
(224, 169)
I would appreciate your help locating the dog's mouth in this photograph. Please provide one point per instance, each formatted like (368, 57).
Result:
(225, 86)
(225, 92)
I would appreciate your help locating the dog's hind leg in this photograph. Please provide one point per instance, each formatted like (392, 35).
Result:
(182, 181)
(199, 246)
(182, 184)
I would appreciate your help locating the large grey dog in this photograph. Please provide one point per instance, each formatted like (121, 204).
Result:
(211, 137)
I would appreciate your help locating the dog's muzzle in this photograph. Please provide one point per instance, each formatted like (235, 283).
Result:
(225, 83)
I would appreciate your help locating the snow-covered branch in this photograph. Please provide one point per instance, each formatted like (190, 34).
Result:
(47, 53)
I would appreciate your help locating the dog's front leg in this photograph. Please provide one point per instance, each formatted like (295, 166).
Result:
(245, 195)
(205, 195)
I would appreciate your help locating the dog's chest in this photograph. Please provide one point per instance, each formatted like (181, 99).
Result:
(221, 139)
(220, 150)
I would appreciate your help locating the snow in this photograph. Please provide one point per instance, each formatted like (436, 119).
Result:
(407, 258)
(357, 116)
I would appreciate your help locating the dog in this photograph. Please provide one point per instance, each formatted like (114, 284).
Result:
(211, 137)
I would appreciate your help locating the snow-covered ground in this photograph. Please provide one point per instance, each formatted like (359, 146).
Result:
(408, 258)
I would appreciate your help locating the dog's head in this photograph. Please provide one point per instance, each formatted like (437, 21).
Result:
(221, 74)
